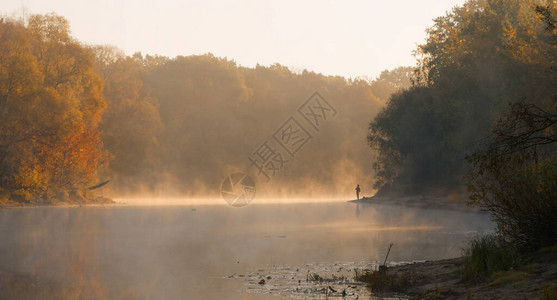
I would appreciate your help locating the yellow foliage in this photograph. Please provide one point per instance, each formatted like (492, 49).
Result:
(51, 103)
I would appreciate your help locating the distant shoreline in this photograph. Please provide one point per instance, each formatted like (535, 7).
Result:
(425, 202)
(5, 203)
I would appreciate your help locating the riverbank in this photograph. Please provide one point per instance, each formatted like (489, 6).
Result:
(8, 203)
(441, 280)
(426, 202)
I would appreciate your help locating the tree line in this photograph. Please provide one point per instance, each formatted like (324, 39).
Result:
(481, 117)
(73, 115)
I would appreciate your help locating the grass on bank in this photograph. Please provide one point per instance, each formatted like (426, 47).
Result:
(550, 292)
(487, 255)
(488, 258)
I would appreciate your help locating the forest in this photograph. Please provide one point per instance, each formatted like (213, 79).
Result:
(480, 118)
(456, 155)
(480, 104)
(74, 115)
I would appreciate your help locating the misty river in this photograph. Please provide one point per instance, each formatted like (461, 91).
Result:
(208, 251)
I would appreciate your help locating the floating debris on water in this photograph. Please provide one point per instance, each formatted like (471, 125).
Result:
(312, 281)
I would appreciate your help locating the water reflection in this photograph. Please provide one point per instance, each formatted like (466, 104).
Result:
(167, 252)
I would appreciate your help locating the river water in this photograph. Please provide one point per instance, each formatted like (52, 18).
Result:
(217, 251)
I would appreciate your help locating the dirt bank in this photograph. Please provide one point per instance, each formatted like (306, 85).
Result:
(441, 280)
(8, 203)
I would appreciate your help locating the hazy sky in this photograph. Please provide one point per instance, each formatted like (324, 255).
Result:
(348, 37)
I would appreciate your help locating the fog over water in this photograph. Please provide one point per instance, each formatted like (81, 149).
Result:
(207, 149)
(188, 251)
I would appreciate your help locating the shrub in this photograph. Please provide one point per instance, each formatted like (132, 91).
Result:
(486, 255)
(22, 196)
(515, 177)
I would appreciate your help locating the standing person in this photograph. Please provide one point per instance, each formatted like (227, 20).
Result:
(358, 192)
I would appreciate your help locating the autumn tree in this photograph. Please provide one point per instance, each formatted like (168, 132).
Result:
(72, 115)
(50, 104)
(476, 59)
(131, 125)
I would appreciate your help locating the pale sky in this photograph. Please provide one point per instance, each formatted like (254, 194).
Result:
(333, 37)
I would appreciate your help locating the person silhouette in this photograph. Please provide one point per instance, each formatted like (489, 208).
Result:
(358, 192)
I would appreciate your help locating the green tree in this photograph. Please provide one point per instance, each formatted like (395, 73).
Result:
(476, 59)
(515, 175)
(392, 81)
